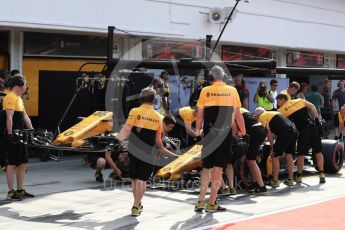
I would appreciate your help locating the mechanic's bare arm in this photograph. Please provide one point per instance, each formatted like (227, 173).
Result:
(234, 128)
(240, 122)
(124, 132)
(9, 120)
(112, 163)
(160, 146)
(198, 122)
(312, 109)
(189, 130)
(27, 121)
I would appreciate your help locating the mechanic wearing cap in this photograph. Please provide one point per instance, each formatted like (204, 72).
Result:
(17, 156)
(183, 130)
(309, 131)
(144, 128)
(218, 105)
(285, 134)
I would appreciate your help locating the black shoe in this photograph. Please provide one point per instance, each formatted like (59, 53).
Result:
(261, 190)
(99, 177)
(251, 188)
(114, 177)
(24, 194)
(13, 195)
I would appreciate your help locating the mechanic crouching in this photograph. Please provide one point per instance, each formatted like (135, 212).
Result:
(309, 131)
(285, 134)
(144, 128)
(116, 159)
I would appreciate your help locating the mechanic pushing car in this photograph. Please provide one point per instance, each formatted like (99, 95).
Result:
(309, 131)
(144, 128)
(183, 129)
(257, 134)
(285, 134)
(216, 106)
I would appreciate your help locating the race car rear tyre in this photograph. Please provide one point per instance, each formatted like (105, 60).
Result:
(333, 155)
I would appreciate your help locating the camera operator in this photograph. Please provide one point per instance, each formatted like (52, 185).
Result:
(263, 98)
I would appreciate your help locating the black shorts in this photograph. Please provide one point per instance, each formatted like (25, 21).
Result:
(286, 142)
(257, 136)
(3, 154)
(17, 154)
(139, 169)
(309, 138)
(92, 161)
(216, 151)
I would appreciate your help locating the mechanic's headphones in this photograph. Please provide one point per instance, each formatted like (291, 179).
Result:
(17, 80)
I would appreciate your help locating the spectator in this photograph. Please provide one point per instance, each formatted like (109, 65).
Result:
(326, 111)
(242, 90)
(273, 92)
(262, 97)
(316, 99)
(303, 91)
(338, 95)
(165, 92)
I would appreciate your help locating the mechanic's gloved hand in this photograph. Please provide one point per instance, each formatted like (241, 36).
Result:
(10, 139)
(317, 122)
(319, 126)
(197, 138)
(246, 138)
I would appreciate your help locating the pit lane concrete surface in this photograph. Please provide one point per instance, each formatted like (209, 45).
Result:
(67, 197)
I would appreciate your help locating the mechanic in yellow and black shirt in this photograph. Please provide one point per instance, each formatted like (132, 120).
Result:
(309, 135)
(144, 128)
(183, 130)
(216, 105)
(257, 134)
(285, 134)
(17, 156)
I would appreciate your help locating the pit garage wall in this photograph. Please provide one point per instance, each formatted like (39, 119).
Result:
(298, 24)
(32, 66)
